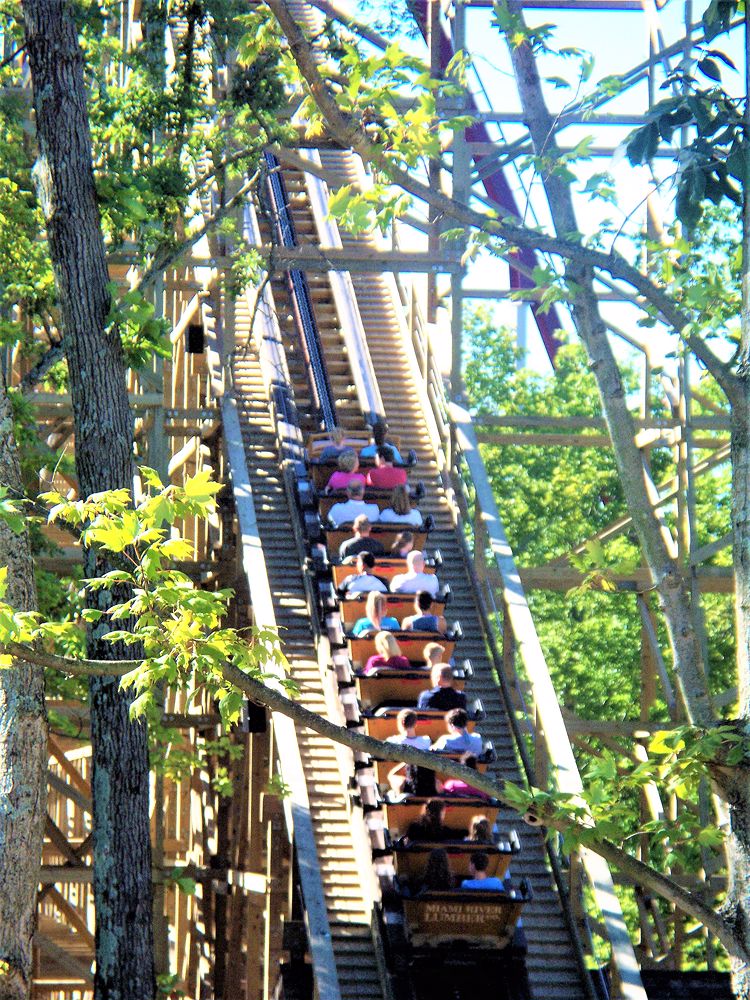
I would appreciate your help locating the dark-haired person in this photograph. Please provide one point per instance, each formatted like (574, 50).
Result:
(458, 739)
(478, 865)
(423, 620)
(442, 696)
(402, 545)
(363, 580)
(361, 541)
(385, 475)
(407, 732)
(480, 831)
(437, 872)
(379, 434)
(430, 824)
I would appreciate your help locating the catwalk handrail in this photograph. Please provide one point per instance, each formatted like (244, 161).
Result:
(452, 427)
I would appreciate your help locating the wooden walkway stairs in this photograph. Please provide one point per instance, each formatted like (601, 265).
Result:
(349, 913)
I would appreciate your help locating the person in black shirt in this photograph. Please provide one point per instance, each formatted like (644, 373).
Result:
(443, 695)
(361, 541)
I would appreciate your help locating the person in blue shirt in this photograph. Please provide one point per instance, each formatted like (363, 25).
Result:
(379, 431)
(458, 739)
(478, 866)
(375, 620)
(424, 620)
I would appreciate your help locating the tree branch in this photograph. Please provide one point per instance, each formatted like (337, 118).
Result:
(279, 702)
(349, 134)
(68, 665)
(50, 357)
(169, 258)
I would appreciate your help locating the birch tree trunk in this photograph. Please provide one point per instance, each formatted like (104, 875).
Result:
(23, 752)
(104, 461)
(672, 586)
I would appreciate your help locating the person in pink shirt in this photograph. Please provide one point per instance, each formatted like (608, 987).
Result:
(346, 473)
(385, 475)
(388, 655)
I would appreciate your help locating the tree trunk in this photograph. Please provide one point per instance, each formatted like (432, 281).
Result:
(104, 461)
(672, 586)
(640, 493)
(23, 751)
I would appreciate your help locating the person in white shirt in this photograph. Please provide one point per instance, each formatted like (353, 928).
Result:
(407, 732)
(363, 580)
(349, 509)
(415, 578)
(458, 739)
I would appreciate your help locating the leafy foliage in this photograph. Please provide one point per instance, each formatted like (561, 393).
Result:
(179, 628)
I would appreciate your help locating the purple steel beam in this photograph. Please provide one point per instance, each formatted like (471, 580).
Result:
(500, 192)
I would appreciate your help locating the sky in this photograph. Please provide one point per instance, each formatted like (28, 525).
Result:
(618, 41)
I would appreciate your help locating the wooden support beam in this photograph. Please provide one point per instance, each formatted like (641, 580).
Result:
(71, 915)
(55, 782)
(712, 579)
(72, 965)
(360, 260)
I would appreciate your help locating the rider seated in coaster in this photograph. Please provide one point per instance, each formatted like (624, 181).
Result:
(348, 464)
(379, 432)
(401, 510)
(458, 739)
(478, 866)
(388, 656)
(385, 475)
(361, 541)
(364, 579)
(332, 451)
(443, 694)
(415, 578)
(375, 620)
(347, 510)
(423, 620)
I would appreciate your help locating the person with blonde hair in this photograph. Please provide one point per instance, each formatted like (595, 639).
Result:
(388, 656)
(335, 446)
(401, 510)
(375, 619)
(348, 463)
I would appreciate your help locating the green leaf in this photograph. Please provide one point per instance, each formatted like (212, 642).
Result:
(710, 68)
(151, 477)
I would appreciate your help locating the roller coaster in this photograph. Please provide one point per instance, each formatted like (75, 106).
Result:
(321, 365)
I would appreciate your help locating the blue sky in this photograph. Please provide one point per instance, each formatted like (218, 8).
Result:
(618, 41)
